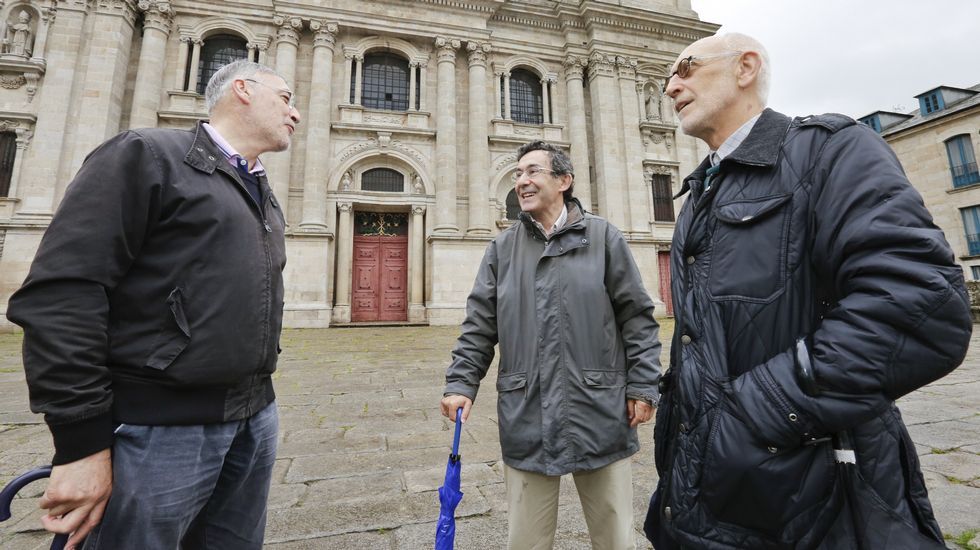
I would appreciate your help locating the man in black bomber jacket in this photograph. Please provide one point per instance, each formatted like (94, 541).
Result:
(151, 319)
(811, 290)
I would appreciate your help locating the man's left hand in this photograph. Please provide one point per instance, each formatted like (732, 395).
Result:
(639, 411)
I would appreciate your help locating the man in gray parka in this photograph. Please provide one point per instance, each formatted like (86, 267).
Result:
(580, 358)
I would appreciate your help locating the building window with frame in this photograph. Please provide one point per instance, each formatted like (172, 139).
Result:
(975, 269)
(385, 180)
(962, 160)
(930, 103)
(526, 104)
(663, 199)
(385, 83)
(971, 226)
(218, 51)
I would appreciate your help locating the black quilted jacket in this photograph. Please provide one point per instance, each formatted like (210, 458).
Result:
(809, 246)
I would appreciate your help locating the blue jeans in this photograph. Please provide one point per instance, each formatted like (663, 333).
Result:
(190, 487)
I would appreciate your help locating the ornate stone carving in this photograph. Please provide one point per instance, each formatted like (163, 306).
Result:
(345, 181)
(12, 81)
(478, 52)
(157, 15)
(125, 8)
(372, 143)
(325, 34)
(345, 207)
(505, 160)
(379, 118)
(447, 49)
(384, 140)
(418, 187)
(289, 28)
(601, 65)
(626, 67)
(418, 209)
(19, 39)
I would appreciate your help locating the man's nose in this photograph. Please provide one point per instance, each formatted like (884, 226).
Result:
(673, 86)
(294, 114)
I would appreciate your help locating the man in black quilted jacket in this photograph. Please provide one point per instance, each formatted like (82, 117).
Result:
(811, 290)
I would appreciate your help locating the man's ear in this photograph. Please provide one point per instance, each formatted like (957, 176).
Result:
(749, 65)
(240, 90)
(566, 182)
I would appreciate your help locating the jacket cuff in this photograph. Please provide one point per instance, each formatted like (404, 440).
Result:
(77, 440)
(763, 395)
(651, 399)
(459, 388)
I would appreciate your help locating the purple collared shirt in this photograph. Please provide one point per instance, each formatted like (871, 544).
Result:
(233, 157)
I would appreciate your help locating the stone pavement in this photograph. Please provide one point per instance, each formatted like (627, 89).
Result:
(363, 447)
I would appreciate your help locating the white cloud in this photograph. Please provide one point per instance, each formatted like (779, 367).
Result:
(856, 56)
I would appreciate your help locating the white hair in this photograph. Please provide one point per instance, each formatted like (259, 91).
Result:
(739, 42)
(223, 77)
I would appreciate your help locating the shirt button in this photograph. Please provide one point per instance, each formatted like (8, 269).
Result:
(690, 260)
(685, 339)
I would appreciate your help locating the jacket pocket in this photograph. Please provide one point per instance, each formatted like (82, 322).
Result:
(748, 250)
(173, 337)
(600, 379)
(519, 420)
(766, 489)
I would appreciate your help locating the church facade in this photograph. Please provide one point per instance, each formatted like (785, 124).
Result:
(400, 173)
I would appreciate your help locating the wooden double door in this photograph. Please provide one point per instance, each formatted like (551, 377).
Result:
(380, 267)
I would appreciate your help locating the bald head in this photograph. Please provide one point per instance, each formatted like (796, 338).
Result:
(717, 84)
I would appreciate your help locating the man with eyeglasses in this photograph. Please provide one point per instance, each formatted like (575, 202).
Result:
(579, 357)
(811, 290)
(151, 319)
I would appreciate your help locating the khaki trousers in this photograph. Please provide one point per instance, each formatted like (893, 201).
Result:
(607, 502)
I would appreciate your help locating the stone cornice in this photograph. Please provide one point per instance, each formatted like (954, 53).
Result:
(484, 6)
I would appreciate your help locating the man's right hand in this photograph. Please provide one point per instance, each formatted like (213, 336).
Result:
(76, 496)
(450, 403)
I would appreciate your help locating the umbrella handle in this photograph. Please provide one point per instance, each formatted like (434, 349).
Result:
(459, 425)
(8, 493)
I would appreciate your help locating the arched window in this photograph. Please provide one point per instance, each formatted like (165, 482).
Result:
(513, 205)
(218, 51)
(525, 97)
(962, 160)
(383, 179)
(385, 82)
(8, 151)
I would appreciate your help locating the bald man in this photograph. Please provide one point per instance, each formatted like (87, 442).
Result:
(811, 290)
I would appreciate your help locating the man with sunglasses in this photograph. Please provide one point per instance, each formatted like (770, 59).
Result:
(811, 290)
(579, 357)
(151, 319)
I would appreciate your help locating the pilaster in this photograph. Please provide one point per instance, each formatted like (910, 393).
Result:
(478, 148)
(318, 155)
(446, 168)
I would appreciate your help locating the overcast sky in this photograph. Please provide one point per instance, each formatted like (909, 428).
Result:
(857, 56)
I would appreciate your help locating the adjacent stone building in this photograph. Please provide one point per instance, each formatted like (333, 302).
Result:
(399, 174)
(937, 145)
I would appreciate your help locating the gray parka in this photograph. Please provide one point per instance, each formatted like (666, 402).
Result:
(577, 338)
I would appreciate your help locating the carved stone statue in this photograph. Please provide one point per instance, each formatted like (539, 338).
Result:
(345, 181)
(417, 185)
(652, 103)
(20, 39)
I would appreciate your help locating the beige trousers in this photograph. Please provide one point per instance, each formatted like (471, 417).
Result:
(607, 502)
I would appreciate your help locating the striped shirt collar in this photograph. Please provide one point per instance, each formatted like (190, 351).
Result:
(733, 141)
(559, 223)
(230, 153)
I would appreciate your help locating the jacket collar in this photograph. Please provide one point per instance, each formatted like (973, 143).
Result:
(203, 153)
(575, 216)
(760, 148)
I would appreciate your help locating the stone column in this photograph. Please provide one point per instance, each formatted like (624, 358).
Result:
(478, 146)
(416, 256)
(348, 75)
(99, 105)
(358, 78)
(412, 84)
(545, 101)
(195, 65)
(157, 20)
(180, 83)
(345, 258)
(507, 95)
(607, 133)
(43, 26)
(422, 93)
(278, 165)
(24, 136)
(641, 101)
(639, 218)
(318, 154)
(497, 78)
(577, 132)
(446, 168)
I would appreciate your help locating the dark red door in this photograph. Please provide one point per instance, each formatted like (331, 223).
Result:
(663, 259)
(380, 270)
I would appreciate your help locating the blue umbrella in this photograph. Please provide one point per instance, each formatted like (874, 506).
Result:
(8, 493)
(449, 494)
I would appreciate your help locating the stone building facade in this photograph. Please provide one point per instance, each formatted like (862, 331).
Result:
(937, 145)
(399, 174)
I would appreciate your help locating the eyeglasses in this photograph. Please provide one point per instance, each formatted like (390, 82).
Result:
(284, 94)
(531, 173)
(684, 65)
